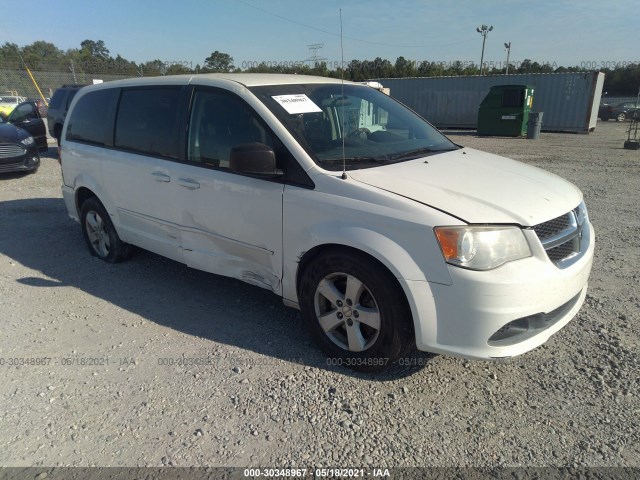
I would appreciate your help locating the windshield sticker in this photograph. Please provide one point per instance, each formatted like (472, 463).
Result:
(298, 103)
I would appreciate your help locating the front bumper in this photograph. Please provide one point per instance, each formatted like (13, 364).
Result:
(25, 162)
(503, 312)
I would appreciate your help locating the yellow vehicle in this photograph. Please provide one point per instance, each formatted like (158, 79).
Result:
(9, 102)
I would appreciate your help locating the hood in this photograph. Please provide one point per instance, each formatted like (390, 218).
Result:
(477, 187)
(11, 134)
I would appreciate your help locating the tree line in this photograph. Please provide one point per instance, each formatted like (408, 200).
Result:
(93, 57)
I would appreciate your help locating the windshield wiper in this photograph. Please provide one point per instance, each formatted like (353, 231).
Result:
(379, 160)
(419, 152)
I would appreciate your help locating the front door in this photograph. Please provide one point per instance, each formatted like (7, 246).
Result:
(230, 224)
(27, 117)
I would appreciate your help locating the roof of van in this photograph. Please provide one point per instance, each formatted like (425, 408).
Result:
(255, 79)
(246, 79)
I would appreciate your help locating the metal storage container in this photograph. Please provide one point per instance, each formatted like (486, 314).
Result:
(569, 101)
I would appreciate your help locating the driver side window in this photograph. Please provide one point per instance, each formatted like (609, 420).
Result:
(219, 122)
(24, 112)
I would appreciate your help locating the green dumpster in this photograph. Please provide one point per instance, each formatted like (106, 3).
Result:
(505, 111)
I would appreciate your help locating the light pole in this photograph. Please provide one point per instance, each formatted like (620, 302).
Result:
(508, 47)
(484, 31)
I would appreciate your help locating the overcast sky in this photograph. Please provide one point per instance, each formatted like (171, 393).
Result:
(588, 33)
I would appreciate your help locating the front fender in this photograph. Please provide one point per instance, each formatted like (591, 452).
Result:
(411, 275)
(394, 256)
(386, 250)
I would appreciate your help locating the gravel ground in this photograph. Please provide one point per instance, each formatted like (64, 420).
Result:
(112, 387)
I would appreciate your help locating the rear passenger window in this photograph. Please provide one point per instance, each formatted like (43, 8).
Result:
(89, 121)
(147, 121)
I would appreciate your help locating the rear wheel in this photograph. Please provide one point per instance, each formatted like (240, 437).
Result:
(355, 311)
(621, 117)
(99, 233)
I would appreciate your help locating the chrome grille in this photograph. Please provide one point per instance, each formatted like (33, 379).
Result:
(560, 253)
(552, 227)
(561, 237)
(8, 150)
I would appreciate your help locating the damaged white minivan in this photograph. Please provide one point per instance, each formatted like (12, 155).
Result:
(352, 208)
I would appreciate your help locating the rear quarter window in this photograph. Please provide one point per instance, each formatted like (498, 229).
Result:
(90, 120)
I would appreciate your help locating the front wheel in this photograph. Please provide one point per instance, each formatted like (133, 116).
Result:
(621, 117)
(100, 234)
(356, 312)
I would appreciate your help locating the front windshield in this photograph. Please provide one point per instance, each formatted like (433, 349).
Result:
(376, 130)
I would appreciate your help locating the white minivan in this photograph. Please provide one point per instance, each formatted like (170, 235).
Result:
(348, 205)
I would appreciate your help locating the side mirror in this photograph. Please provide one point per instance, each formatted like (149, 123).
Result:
(254, 159)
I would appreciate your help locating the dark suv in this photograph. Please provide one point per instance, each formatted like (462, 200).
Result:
(58, 107)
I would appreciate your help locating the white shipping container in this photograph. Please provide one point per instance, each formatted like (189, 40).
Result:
(569, 101)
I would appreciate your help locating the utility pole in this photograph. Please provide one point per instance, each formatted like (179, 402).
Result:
(508, 47)
(73, 72)
(484, 31)
(313, 51)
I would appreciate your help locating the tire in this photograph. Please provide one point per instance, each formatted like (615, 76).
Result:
(342, 333)
(605, 118)
(621, 117)
(100, 234)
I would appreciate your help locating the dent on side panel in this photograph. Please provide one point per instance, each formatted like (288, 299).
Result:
(224, 256)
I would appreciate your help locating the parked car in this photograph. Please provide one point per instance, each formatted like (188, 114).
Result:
(349, 206)
(603, 111)
(9, 102)
(620, 112)
(18, 149)
(58, 107)
(27, 117)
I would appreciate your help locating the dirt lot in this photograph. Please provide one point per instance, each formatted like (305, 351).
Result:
(103, 380)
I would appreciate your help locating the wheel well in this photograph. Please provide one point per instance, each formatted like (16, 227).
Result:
(82, 195)
(320, 250)
(309, 256)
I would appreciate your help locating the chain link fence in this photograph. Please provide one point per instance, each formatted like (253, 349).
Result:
(15, 80)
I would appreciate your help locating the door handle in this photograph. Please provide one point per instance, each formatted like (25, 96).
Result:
(189, 183)
(161, 177)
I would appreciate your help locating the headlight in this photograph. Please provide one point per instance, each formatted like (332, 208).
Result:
(482, 248)
(581, 214)
(27, 142)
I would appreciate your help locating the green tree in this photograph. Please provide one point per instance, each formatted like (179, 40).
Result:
(92, 50)
(10, 54)
(405, 68)
(177, 69)
(219, 62)
(41, 52)
(153, 68)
